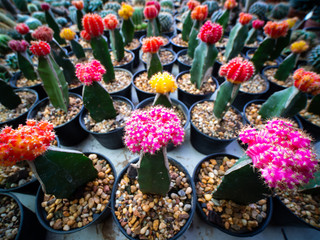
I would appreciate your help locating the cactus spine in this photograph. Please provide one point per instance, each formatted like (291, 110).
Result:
(166, 21)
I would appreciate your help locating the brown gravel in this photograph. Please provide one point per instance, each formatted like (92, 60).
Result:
(185, 59)
(152, 216)
(122, 80)
(256, 85)
(254, 44)
(126, 59)
(223, 42)
(221, 57)
(185, 84)
(123, 110)
(133, 44)
(305, 206)
(270, 75)
(58, 116)
(64, 214)
(9, 218)
(203, 119)
(178, 41)
(84, 43)
(23, 82)
(314, 118)
(166, 57)
(231, 216)
(27, 100)
(142, 82)
(267, 63)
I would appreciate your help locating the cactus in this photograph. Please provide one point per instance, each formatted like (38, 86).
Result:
(153, 166)
(222, 16)
(8, 98)
(300, 34)
(166, 21)
(313, 58)
(252, 34)
(127, 27)
(77, 49)
(40, 16)
(7, 21)
(94, 6)
(167, 10)
(32, 8)
(205, 53)
(33, 23)
(280, 11)
(51, 75)
(238, 35)
(24, 60)
(137, 16)
(138, 2)
(167, 4)
(112, 6)
(79, 13)
(62, 21)
(187, 22)
(104, 13)
(12, 61)
(151, 12)
(212, 6)
(4, 40)
(259, 9)
(95, 98)
(151, 46)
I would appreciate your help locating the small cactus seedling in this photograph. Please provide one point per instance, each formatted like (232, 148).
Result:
(151, 46)
(111, 22)
(60, 172)
(51, 75)
(149, 133)
(24, 60)
(314, 58)
(93, 30)
(290, 101)
(95, 98)
(205, 53)
(79, 5)
(77, 49)
(237, 36)
(187, 23)
(151, 12)
(279, 157)
(288, 64)
(252, 34)
(236, 71)
(127, 28)
(198, 15)
(280, 11)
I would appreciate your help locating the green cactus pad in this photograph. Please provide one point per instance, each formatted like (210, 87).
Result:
(166, 21)
(242, 184)
(55, 27)
(163, 100)
(117, 44)
(73, 168)
(285, 103)
(100, 52)
(153, 28)
(236, 41)
(98, 102)
(221, 17)
(286, 67)
(77, 49)
(154, 64)
(137, 16)
(314, 105)
(186, 27)
(252, 36)
(26, 66)
(313, 186)
(153, 175)
(8, 97)
(193, 39)
(261, 55)
(127, 31)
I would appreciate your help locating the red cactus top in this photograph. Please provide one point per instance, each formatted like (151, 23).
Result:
(308, 82)
(22, 28)
(210, 32)
(150, 12)
(85, 35)
(154, 3)
(152, 44)
(200, 13)
(18, 46)
(45, 6)
(93, 24)
(110, 21)
(257, 24)
(40, 48)
(90, 72)
(43, 33)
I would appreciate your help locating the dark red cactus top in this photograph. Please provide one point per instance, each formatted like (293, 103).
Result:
(276, 29)
(257, 24)
(40, 48)
(78, 4)
(192, 4)
(110, 21)
(45, 6)
(200, 13)
(93, 24)
(85, 35)
(230, 4)
(154, 3)
(237, 70)
(245, 18)
(150, 12)
(18, 46)
(43, 33)
(22, 28)
(210, 32)
(152, 44)
(308, 82)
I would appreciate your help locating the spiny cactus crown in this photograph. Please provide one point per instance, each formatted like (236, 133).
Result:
(192, 4)
(210, 32)
(78, 4)
(308, 82)
(152, 44)
(67, 34)
(22, 28)
(40, 48)
(257, 24)
(90, 72)
(110, 21)
(125, 11)
(92, 23)
(85, 35)
(230, 4)
(43, 33)
(299, 47)
(245, 18)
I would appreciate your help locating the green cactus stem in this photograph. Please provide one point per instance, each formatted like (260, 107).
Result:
(285, 103)
(226, 94)
(286, 67)
(8, 97)
(204, 58)
(186, 27)
(79, 19)
(250, 188)
(127, 30)
(73, 168)
(252, 36)
(26, 66)
(100, 51)
(154, 64)
(314, 105)
(77, 49)
(221, 17)
(193, 38)
(236, 41)
(313, 186)
(153, 173)
(166, 21)
(137, 16)
(98, 102)
(54, 82)
(55, 27)
(153, 28)
(163, 100)
(117, 44)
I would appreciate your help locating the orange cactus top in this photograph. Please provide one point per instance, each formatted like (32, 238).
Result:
(308, 82)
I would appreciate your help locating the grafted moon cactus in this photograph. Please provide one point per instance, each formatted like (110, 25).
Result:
(151, 46)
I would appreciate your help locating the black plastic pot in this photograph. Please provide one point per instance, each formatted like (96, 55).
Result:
(136, 52)
(171, 33)
(97, 218)
(140, 93)
(164, 46)
(37, 87)
(311, 128)
(128, 66)
(204, 143)
(182, 66)
(69, 133)
(138, 34)
(22, 118)
(125, 92)
(215, 71)
(175, 47)
(112, 139)
(166, 67)
(189, 99)
(175, 102)
(214, 221)
(193, 203)
(29, 227)
(283, 216)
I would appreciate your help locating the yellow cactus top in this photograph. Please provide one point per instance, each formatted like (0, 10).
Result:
(67, 34)
(299, 46)
(291, 21)
(125, 11)
(163, 83)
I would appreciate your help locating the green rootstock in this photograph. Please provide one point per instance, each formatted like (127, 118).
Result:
(252, 36)
(286, 67)
(117, 44)
(77, 49)
(223, 19)
(127, 31)
(154, 64)
(8, 97)
(163, 100)
(55, 27)
(193, 38)
(153, 28)
(186, 27)
(236, 41)
(26, 66)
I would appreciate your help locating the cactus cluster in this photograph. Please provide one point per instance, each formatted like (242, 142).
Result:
(212, 6)
(167, 4)
(112, 6)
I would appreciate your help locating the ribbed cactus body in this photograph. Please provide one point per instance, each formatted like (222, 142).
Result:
(259, 9)
(137, 16)
(32, 8)
(26, 66)
(166, 21)
(104, 13)
(40, 16)
(314, 58)
(167, 4)
(113, 6)
(167, 10)
(212, 6)
(280, 11)
(52, 23)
